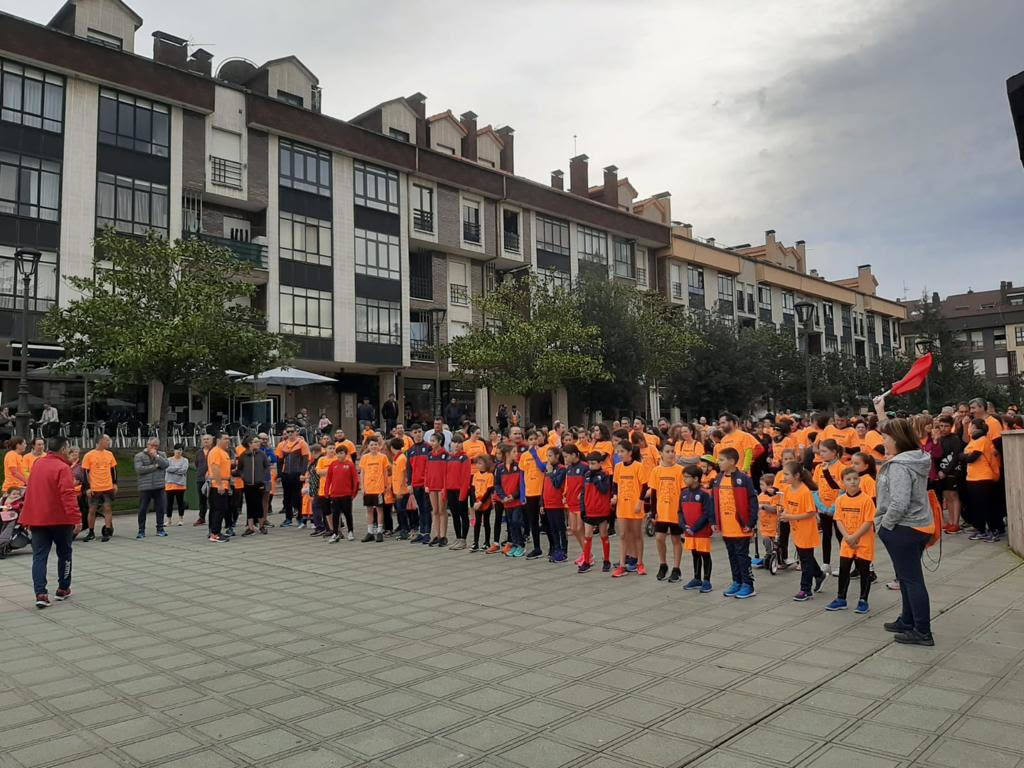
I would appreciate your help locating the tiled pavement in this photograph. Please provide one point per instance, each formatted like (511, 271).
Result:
(282, 651)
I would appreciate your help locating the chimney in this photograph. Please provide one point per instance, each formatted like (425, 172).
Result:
(865, 280)
(468, 120)
(611, 186)
(686, 230)
(935, 298)
(201, 62)
(579, 178)
(418, 102)
(769, 237)
(171, 50)
(507, 159)
(801, 255)
(557, 180)
(710, 241)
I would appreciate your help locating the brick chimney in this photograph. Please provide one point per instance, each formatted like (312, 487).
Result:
(866, 282)
(801, 253)
(168, 49)
(579, 177)
(769, 237)
(557, 180)
(201, 62)
(418, 102)
(686, 230)
(507, 160)
(710, 241)
(611, 186)
(468, 120)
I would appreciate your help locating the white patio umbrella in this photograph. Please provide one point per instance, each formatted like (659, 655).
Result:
(287, 377)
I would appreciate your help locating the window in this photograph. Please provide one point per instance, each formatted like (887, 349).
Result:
(31, 97)
(423, 208)
(641, 267)
(979, 366)
(788, 302)
(829, 311)
(1017, 301)
(378, 321)
(485, 161)
(136, 124)
(831, 344)
(42, 292)
(459, 294)
(445, 148)
(378, 255)
(394, 133)
(764, 296)
(1002, 366)
(102, 38)
(999, 338)
(676, 279)
(293, 99)
(896, 334)
(305, 311)
(471, 222)
(625, 258)
(1018, 335)
(130, 205)
(421, 336)
(376, 187)
(592, 244)
(510, 227)
(552, 235)
(305, 239)
(304, 168)
(977, 340)
(726, 287)
(29, 187)
(421, 277)
(695, 278)
(553, 279)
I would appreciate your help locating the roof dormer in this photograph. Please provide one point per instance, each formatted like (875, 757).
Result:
(288, 79)
(446, 133)
(105, 22)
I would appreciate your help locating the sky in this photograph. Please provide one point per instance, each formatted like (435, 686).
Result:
(876, 130)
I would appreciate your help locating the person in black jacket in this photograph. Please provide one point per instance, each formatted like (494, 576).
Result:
(253, 466)
(950, 471)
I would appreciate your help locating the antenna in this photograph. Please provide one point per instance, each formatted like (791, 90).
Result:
(574, 153)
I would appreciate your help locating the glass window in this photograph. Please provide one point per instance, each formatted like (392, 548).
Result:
(102, 38)
(1018, 335)
(376, 187)
(31, 97)
(471, 232)
(302, 238)
(726, 287)
(132, 123)
(979, 366)
(306, 312)
(553, 235)
(695, 278)
(592, 245)
(423, 208)
(29, 187)
(1002, 366)
(306, 169)
(394, 133)
(788, 302)
(625, 258)
(378, 321)
(42, 291)
(764, 296)
(131, 206)
(554, 278)
(378, 255)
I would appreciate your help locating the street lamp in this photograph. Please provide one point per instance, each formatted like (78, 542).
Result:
(437, 315)
(804, 313)
(924, 346)
(26, 262)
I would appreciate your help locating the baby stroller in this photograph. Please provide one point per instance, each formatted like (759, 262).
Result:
(12, 534)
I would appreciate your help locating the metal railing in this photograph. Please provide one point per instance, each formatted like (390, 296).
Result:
(253, 253)
(225, 173)
(423, 220)
(471, 231)
(677, 290)
(641, 275)
(512, 241)
(460, 295)
(421, 349)
(421, 287)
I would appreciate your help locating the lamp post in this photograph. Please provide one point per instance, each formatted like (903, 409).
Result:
(804, 313)
(924, 346)
(437, 315)
(26, 262)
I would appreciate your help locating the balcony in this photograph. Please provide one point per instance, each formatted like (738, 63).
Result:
(641, 275)
(421, 287)
(225, 173)
(511, 241)
(423, 220)
(252, 253)
(677, 290)
(460, 295)
(421, 349)
(471, 231)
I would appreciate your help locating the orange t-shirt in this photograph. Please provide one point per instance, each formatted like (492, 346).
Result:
(99, 463)
(868, 486)
(323, 464)
(12, 461)
(236, 481)
(650, 457)
(799, 501)
(374, 467)
(346, 446)
(533, 474)
(853, 512)
(667, 484)
(605, 447)
(27, 460)
(986, 466)
(399, 481)
(742, 442)
(474, 448)
(995, 428)
(846, 437)
(629, 480)
(482, 481)
(727, 518)
(690, 450)
(826, 492)
(218, 457)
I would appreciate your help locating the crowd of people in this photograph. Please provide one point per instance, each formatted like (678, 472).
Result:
(827, 483)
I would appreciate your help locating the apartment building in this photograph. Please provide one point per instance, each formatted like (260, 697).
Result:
(987, 326)
(368, 237)
(761, 285)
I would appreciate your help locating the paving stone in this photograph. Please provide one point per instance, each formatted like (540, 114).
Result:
(160, 746)
(486, 735)
(375, 740)
(430, 754)
(231, 726)
(657, 749)
(954, 753)
(879, 738)
(638, 710)
(841, 757)
(51, 750)
(316, 757)
(541, 752)
(205, 759)
(333, 722)
(436, 717)
(591, 731)
(772, 745)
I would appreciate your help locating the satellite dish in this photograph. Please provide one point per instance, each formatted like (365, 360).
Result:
(237, 70)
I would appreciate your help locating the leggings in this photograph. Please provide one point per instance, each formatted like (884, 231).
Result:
(864, 570)
(499, 512)
(701, 564)
(175, 496)
(483, 517)
(828, 530)
(339, 507)
(515, 526)
(389, 521)
(986, 511)
(531, 514)
(784, 539)
(557, 540)
(460, 514)
(253, 502)
(809, 568)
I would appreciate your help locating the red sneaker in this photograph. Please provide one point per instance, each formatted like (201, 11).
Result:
(62, 594)
(618, 572)
(198, 523)
(42, 601)
(640, 570)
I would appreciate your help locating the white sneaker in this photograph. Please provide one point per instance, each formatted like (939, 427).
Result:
(334, 538)
(827, 568)
(351, 536)
(302, 525)
(180, 523)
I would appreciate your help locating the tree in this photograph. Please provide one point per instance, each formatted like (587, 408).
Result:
(173, 313)
(535, 339)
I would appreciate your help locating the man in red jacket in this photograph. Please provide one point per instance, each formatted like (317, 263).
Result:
(51, 511)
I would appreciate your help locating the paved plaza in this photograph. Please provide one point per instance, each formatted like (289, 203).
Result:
(285, 651)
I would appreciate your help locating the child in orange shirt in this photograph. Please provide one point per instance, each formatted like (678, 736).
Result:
(986, 509)
(800, 511)
(736, 512)
(768, 516)
(629, 479)
(697, 516)
(400, 486)
(855, 520)
(483, 490)
(373, 468)
(827, 477)
(664, 490)
(709, 471)
(311, 487)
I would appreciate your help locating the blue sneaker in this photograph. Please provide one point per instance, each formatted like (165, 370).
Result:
(286, 524)
(862, 607)
(693, 584)
(140, 535)
(631, 564)
(705, 587)
(606, 566)
(836, 605)
(518, 551)
(733, 589)
(747, 590)
(161, 533)
(583, 568)
(757, 562)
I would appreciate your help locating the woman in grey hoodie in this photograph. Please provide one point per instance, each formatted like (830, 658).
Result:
(905, 525)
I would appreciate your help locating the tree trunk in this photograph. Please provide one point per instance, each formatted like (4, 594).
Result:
(164, 417)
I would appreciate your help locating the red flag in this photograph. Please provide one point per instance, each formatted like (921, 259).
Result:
(915, 377)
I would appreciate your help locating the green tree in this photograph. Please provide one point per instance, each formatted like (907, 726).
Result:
(535, 339)
(173, 313)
